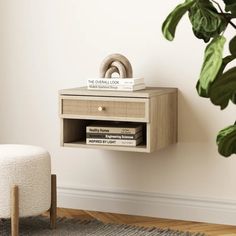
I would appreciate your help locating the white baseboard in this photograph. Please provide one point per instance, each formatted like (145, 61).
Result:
(149, 204)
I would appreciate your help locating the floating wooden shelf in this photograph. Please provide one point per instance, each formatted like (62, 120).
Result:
(155, 108)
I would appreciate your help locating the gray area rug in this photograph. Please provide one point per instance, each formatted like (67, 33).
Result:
(65, 227)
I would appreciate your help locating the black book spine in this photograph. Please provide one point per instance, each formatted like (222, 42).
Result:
(113, 136)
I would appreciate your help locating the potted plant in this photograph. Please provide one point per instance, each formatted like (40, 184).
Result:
(209, 20)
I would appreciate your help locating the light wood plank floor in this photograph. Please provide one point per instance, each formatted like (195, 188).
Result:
(209, 229)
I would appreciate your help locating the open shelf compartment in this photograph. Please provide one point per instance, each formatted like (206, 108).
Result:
(74, 135)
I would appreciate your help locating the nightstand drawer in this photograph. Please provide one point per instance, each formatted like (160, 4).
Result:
(105, 108)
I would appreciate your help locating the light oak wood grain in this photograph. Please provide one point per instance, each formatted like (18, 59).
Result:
(15, 211)
(162, 130)
(209, 229)
(144, 93)
(82, 144)
(53, 208)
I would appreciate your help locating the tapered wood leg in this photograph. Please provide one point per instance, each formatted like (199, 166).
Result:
(53, 209)
(15, 211)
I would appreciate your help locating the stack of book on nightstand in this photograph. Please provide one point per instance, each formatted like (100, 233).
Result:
(116, 84)
(120, 134)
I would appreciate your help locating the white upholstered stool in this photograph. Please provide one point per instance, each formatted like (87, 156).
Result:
(27, 187)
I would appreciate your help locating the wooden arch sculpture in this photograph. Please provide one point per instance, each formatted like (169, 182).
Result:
(116, 63)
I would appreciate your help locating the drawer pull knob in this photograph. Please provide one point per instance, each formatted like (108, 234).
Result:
(101, 108)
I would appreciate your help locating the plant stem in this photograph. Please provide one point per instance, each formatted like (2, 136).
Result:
(229, 21)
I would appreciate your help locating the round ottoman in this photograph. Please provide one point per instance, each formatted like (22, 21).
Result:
(25, 182)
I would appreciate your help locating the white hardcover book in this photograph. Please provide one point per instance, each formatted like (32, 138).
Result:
(115, 81)
(117, 87)
(116, 142)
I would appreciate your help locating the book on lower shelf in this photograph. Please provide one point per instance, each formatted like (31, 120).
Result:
(114, 136)
(120, 134)
(116, 84)
(117, 142)
(114, 128)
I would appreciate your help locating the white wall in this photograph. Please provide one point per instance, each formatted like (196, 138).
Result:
(50, 45)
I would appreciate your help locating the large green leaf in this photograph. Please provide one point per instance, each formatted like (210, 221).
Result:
(232, 49)
(172, 20)
(223, 90)
(207, 23)
(228, 2)
(226, 141)
(230, 5)
(226, 60)
(203, 92)
(211, 65)
(233, 99)
(232, 46)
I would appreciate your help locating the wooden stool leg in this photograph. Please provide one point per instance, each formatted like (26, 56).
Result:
(15, 211)
(53, 209)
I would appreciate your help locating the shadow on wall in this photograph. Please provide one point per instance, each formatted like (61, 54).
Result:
(191, 125)
(164, 171)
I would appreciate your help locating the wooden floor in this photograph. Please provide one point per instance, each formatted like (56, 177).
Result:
(209, 229)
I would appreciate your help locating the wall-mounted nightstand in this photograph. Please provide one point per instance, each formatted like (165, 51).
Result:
(155, 108)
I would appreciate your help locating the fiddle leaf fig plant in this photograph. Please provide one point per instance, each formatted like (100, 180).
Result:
(209, 21)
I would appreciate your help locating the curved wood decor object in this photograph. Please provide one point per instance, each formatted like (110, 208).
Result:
(121, 68)
(120, 62)
(110, 71)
